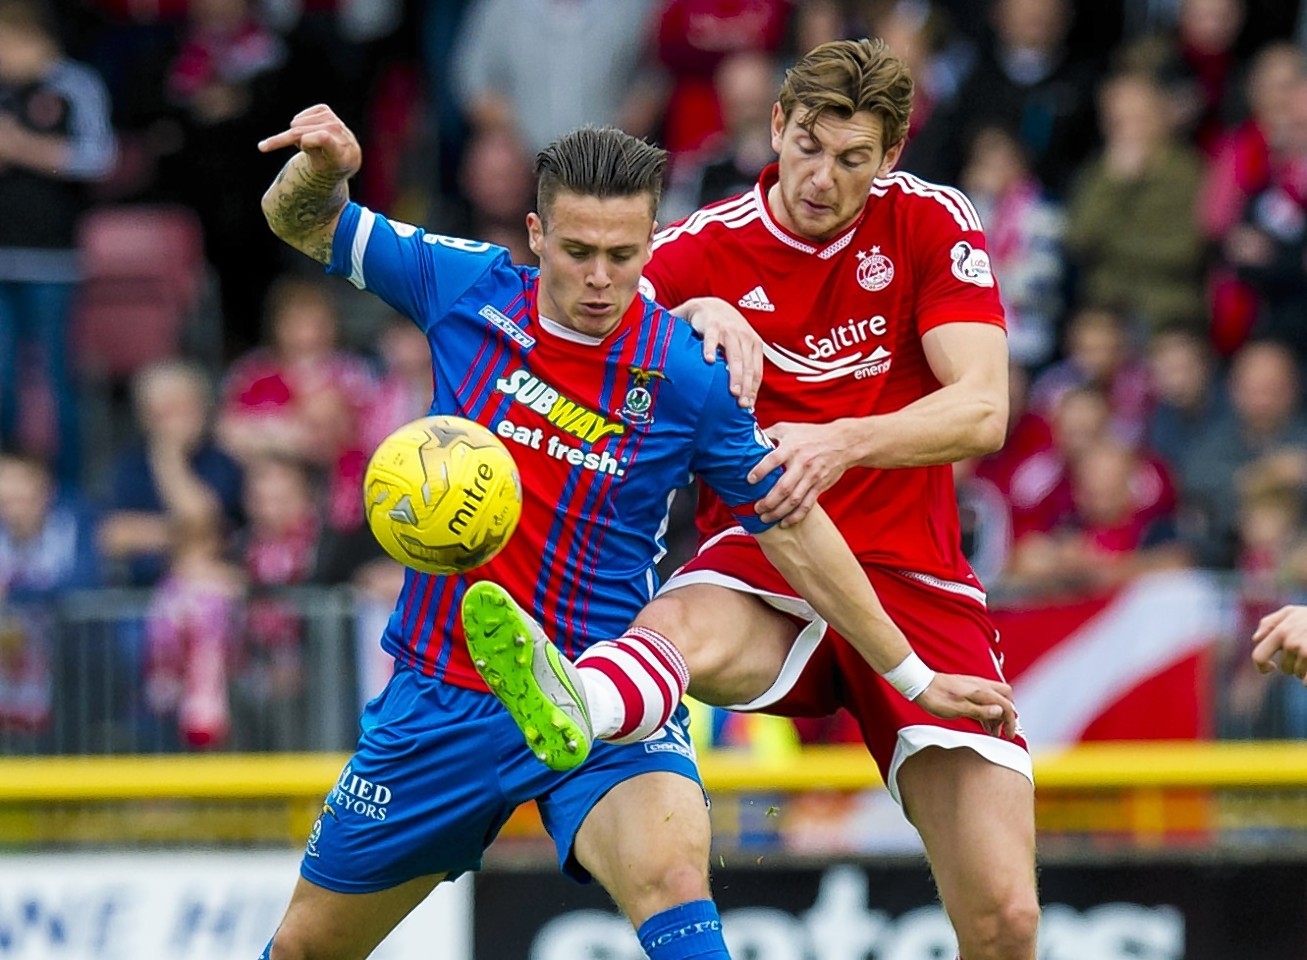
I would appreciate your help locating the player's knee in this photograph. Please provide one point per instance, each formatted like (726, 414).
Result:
(672, 883)
(1006, 929)
(672, 615)
(285, 947)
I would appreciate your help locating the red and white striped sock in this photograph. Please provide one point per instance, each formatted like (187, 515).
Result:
(633, 684)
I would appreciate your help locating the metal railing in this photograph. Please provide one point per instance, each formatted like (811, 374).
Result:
(110, 672)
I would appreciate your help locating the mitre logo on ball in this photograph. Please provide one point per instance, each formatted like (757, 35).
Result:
(442, 494)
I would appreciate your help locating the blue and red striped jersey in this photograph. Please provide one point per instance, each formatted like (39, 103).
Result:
(603, 433)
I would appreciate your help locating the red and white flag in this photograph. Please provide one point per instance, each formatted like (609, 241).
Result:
(1134, 664)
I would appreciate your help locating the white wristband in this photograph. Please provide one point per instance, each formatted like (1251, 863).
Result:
(911, 677)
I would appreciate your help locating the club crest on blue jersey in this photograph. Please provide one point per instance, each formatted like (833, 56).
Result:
(638, 407)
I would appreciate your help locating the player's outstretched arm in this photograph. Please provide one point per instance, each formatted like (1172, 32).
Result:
(303, 204)
(817, 562)
(1283, 632)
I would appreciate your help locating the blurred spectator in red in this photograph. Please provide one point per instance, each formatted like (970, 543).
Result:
(1268, 249)
(694, 38)
(192, 630)
(223, 84)
(1099, 354)
(498, 187)
(1131, 228)
(1202, 70)
(1040, 490)
(225, 48)
(1187, 396)
(1027, 80)
(1107, 538)
(538, 68)
(54, 138)
(1241, 169)
(1265, 418)
(302, 396)
(175, 474)
(1241, 166)
(730, 161)
(1023, 230)
(280, 549)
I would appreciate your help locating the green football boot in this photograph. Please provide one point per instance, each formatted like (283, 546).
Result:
(540, 687)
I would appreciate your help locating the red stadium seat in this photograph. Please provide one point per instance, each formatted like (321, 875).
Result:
(144, 275)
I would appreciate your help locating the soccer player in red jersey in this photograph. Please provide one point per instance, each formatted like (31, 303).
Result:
(886, 357)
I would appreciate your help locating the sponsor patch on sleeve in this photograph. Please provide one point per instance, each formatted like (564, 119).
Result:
(971, 265)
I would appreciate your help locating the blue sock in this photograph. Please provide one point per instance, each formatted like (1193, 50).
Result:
(692, 931)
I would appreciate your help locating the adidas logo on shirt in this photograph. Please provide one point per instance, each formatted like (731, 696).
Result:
(756, 299)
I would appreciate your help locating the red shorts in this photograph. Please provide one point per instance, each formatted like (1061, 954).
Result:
(946, 623)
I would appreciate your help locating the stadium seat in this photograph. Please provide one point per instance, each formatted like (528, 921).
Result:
(144, 277)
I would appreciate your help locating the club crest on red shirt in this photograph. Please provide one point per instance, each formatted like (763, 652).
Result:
(875, 270)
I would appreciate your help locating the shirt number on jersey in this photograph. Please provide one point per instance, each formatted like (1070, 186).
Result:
(457, 243)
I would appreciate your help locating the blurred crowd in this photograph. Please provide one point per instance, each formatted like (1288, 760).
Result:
(186, 406)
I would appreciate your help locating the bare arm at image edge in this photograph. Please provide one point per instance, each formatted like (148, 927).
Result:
(304, 202)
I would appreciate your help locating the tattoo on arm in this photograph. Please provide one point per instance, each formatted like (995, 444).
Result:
(302, 205)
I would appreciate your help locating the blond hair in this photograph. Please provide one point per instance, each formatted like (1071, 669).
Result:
(847, 77)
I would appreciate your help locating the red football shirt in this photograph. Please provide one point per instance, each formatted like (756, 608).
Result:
(842, 324)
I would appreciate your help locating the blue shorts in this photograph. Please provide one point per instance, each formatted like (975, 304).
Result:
(437, 772)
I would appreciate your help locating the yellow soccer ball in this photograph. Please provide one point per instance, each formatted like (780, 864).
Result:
(442, 495)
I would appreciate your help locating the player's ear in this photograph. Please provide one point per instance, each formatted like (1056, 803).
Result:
(777, 125)
(535, 233)
(891, 158)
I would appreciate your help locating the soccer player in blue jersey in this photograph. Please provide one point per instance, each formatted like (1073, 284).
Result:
(608, 403)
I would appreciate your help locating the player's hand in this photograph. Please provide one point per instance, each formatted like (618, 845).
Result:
(1283, 632)
(957, 695)
(723, 327)
(331, 147)
(814, 456)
